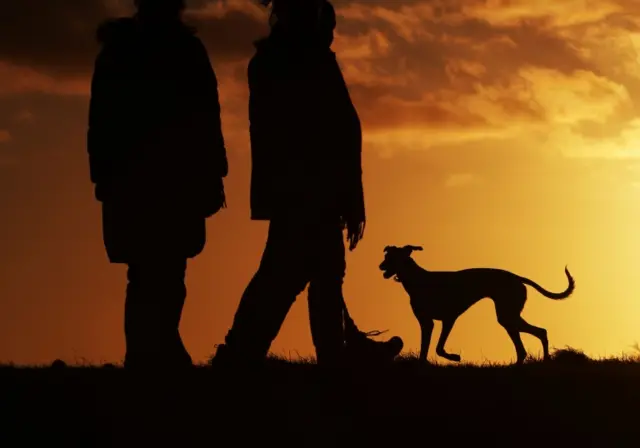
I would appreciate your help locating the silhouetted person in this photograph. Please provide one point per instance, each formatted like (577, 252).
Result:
(157, 159)
(307, 181)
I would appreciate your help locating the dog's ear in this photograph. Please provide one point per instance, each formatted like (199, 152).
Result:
(387, 249)
(412, 248)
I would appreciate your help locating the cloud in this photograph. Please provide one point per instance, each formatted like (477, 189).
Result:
(55, 41)
(551, 13)
(435, 54)
(560, 76)
(6, 157)
(59, 37)
(5, 136)
(24, 116)
(426, 75)
(54, 37)
(578, 115)
(19, 80)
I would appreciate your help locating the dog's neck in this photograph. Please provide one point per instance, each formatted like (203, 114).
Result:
(408, 272)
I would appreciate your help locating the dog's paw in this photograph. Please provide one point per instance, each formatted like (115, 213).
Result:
(450, 356)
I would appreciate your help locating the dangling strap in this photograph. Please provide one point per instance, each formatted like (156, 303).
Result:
(350, 325)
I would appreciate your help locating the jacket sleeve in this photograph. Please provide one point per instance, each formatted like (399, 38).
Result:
(209, 117)
(102, 111)
(260, 127)
(350, 132)
(261, 136)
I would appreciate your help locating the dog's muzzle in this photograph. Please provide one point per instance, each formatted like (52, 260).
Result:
(386, 273)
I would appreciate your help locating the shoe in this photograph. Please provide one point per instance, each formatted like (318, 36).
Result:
(226, 358)
(360, 347)
(150, 362)
(221, 357)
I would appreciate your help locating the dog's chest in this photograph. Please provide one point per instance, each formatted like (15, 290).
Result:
(429, 301)
(428, 307)
(425, 304)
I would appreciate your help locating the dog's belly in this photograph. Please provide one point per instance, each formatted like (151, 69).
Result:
(438, 308)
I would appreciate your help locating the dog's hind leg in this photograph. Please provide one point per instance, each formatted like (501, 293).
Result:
(513, 327)
(509, 304)
(426, 328)
(447, 325)
(540, 333)
(514, 334)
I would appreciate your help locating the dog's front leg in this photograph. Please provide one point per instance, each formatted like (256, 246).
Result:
(447, 325)
(426, 327)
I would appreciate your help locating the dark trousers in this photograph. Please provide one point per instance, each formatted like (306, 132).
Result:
(298, 252)
(156, 293)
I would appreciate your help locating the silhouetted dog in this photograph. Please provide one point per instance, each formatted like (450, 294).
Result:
(444, 296)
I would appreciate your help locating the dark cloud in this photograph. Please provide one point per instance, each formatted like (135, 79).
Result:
(58, 37)
(54, 36)
(502, 49)
(433, 52)
(424, 47)
(392, 114)
(231, 37)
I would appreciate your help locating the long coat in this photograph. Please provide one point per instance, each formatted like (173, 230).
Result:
(306, 138)
(156, 150)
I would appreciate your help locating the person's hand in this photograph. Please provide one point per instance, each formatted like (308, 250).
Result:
(355, 231)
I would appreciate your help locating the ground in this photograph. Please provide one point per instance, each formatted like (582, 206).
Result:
(569, 401)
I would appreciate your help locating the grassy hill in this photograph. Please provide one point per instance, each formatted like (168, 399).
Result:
(570, 401)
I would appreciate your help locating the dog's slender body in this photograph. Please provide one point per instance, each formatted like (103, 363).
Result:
(446, 295)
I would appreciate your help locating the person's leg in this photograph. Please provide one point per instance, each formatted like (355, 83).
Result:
(267, 299)
(135, 318)
(153, 308)
(325, 296)
(325, 292)
(171, 294)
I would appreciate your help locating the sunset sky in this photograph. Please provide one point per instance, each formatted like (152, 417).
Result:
(498, 133)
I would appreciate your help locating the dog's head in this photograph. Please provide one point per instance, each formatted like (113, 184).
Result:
(395, 258)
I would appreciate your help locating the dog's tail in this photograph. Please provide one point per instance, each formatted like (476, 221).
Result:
(553, 295)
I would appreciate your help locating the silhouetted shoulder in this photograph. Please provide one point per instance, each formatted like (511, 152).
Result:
(115, 29)
(259, 61)
(122, 29)
(197, 46)
(263, 47)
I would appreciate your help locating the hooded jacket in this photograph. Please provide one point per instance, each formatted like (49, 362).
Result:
(306, 138)
(154, 118)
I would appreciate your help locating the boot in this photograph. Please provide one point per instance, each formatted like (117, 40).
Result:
(361, 348)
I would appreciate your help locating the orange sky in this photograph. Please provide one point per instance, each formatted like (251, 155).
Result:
(497, 133)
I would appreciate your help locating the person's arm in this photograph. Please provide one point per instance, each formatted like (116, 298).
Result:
(260, 126)
(103, 110)
(211, 122)
(350, 132)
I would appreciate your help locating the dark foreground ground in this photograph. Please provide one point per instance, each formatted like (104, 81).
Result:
(570, 401)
